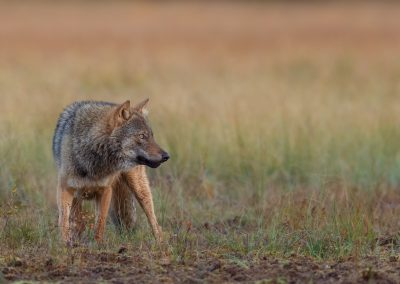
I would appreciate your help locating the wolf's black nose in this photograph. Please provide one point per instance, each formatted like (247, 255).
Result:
(164, 157)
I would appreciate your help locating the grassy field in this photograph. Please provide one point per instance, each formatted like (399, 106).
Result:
(283, 134)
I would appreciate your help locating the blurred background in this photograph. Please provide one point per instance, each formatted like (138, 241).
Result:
(254, 100)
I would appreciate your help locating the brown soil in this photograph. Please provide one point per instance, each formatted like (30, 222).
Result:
(129, 266)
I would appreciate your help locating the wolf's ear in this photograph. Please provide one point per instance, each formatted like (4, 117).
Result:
(141, 107)
(122, 113)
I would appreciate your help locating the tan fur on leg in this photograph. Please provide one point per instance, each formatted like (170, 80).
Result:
(103, 201)
(64, 200)
(139, 183)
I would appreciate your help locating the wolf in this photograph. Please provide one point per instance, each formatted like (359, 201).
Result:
(101, 150)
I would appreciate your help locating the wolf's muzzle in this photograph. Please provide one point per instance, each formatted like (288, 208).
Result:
(151, 161)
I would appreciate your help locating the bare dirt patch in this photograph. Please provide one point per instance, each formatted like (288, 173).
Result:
(131, 266)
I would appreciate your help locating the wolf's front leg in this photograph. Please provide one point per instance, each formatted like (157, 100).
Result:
(103, 201)
(139, 183)
(65, 196)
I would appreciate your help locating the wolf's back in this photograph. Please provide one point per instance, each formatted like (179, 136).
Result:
(64, 125)
(66, 122)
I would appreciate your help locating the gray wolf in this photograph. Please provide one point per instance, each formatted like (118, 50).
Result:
(101, 150)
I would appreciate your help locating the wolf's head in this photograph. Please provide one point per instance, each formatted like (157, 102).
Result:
(131, 129)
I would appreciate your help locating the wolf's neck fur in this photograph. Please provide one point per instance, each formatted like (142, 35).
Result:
(98, 156)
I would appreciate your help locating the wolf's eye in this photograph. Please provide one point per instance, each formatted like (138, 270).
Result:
(142, 136)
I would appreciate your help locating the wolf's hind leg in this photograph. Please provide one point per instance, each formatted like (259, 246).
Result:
(103, 201)
(76, 218)
(123, 210)
(65, 197)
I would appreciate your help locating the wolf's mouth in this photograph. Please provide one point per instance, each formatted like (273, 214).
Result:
(150, 163)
